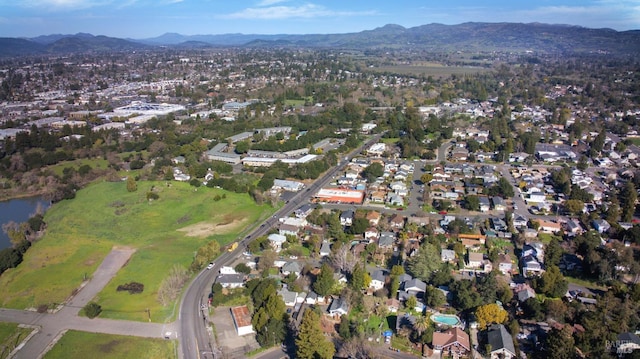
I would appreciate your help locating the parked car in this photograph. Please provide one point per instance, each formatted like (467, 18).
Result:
(210, 265)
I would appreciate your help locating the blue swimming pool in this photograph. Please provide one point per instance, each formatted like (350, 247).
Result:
(447, 319)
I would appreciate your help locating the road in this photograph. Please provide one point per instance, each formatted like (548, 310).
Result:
(196, 340)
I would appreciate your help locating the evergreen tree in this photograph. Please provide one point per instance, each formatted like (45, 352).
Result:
(628, 198)
(324, 282)
(311, 343)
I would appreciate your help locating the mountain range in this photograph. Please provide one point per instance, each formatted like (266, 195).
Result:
(473, 37)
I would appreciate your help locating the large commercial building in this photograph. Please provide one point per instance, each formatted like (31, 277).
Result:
(337, 195)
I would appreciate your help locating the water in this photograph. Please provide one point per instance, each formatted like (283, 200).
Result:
(450, 320)
(18, 210)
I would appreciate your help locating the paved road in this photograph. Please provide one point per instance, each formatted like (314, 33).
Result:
(52, 326)
(195, 337)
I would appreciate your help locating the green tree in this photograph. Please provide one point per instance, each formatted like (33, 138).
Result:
(324, 282)
(132, 186)
(552, 282)
(373, 171)
(425, 263)
(574, 206)
(560, 344)
(92, 310)
(628, 197)
(426, 178)
(434, 297)
(311, 343)
(411, 302)
(472, 203)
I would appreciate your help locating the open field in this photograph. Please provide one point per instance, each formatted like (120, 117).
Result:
(164, 233)
(11, 335)
(75, 344)
(94, 163)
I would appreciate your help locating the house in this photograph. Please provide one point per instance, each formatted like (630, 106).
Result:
(498, 203)
(378, 278)
(292, 267)
(231, 280)
(289, 298)
(484, 204)
(453, 342)
(387, 239)
(498, 224)
(573, 227)
(548, 226)
(276, 241)
(313, 298)
(371, 233)
(504, 264)
(338, 307)
(304, 210)
(346, 217)
(501, 342)
(288, 230)
(448, 255)
(520, 221)
(524, 292)
(474, 260)
(601, 225)
(396, 221)
(531, 266)
(373, 217)
(393, 305)
(627, 343)
(242, 320)
(325, 249)
(414, 287)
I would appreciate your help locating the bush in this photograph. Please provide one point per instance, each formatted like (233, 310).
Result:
(92, 310)
(132, 288)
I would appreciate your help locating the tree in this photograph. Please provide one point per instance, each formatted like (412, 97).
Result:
(425, 262)
(552, 282)
(311, 343)
(324, 282)
(242, 268)
(426, 178)
(411, 302)
(132, 186)
(434, 297)
(628, 197)
(372, 172)
(472, 203)
(490, 314)
(574, 206)
(560, 344)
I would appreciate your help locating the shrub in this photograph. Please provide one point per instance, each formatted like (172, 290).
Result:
(92, 310)
(132, 288)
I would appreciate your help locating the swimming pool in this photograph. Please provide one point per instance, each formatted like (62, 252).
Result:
(446, 319)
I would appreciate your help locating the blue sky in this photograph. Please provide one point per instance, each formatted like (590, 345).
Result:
(150, 18)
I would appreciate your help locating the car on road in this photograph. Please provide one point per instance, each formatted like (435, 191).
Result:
(210, 265)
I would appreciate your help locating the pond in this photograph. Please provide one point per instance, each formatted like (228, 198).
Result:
(18, 210)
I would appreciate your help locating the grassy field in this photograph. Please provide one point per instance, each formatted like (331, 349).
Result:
(76, 344)
(104, 215)
(94, 163)
(10, 337)
(429, 69)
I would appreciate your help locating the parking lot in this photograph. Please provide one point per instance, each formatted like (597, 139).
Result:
(232, 345)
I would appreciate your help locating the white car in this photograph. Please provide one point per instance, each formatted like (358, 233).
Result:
(210, 265)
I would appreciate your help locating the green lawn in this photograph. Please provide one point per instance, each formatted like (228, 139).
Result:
(75, 344)
(94, 163)
(166, 232)
(11, 335)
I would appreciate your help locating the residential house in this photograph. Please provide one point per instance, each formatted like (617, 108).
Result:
(474, 260)
(288, 230)
(484, 204)
(346, 217)
(505, 265)
(289, 298)
(373, 217)
(573, 227)
(371, 234)
(448, 255)
(520, 221)
(531, 266)
(396, 221)
(292, 267)
(498, 224)
(601, 225)
(548, 226)
(231, 280)
(387, 239)
(501, 343)
(313, 298)
(454, 343)
(393, 305)
(338, 307)
(524, 292)
(378, 278)
(414, 287)
(304, 210)
(325, 249)
(498, 203)
(276, 241)
(395, 199)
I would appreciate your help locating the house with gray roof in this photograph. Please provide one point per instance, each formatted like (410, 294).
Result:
(338, 307)
(378, 278)
(501, 342)
(387, 239)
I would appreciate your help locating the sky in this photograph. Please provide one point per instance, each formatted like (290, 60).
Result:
(141, 19)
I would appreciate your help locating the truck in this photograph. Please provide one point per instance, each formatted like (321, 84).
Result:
(233, 247)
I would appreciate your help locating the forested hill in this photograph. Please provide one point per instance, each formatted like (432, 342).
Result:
(468, 37)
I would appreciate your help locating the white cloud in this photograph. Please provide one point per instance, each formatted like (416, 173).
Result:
(287, 12)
